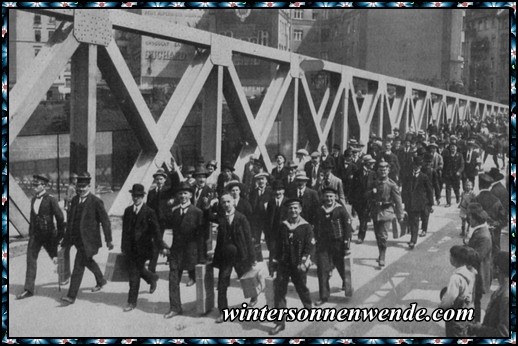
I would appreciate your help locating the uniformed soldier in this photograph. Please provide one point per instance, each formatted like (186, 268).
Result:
(333, 240)
(386, 205)
(292, 259)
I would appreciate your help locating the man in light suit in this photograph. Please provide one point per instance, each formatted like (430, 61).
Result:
(331, 181)
(471, 162)
(42, 231)
(85, 214)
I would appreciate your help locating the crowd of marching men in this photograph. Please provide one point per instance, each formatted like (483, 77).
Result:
(302, 212)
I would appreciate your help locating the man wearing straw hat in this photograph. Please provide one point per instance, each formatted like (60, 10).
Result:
(42, 231)
(141, 239)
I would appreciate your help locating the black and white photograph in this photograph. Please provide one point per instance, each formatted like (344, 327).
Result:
(256, 173)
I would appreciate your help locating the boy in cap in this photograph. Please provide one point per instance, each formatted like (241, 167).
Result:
(333, 241)
(42, 231)
(85, 214)
(292, 258)
(141, 239)
(187, 222)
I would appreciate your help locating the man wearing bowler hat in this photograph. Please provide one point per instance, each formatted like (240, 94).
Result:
(85, 214)
(187, 222)
(42, 231)
(292, 258)
(158, 199)
(141, 239)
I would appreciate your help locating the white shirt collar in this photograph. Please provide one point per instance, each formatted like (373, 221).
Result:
(136, 208)
(183, 206)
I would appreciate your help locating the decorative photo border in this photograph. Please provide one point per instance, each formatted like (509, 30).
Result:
(512, 134)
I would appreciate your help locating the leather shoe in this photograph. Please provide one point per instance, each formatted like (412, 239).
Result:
(24, 294)
(64, 283)
(99, 287)
(382, 263)
(68, 300)
(152, 287)
(320, 302)
(172, 314)
(220, 319)
(423, 234)
(191, 282)
(277, 329)
(253, 302)
(411, 245)
(359, 241)
(128, 307)
(447, 205)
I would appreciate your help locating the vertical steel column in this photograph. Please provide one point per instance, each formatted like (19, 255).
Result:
(212, 116)
(83, 112)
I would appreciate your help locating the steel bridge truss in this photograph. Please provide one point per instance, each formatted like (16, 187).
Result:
(85, 38)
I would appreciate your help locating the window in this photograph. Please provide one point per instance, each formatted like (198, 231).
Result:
(51, 32)
(297, 35)
(37, 19)
(263, 38)
(315, 15)
(49, 95)
(37, 35)
(298, 14)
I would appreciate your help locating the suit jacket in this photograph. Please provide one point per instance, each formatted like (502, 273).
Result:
(417, 193)
(238, 234)
(502, 194)
(360, 187)
(308, 168)
(492, 206)
(335, 183)
(258, 217)
(274, 217)
(206, 191)
(188, 236)
(280, 175)
(347, 179)
(480, 241)
(405, 162)
(93, 214)
(290, 187)
(471, 166)
(244, 207)
(42, 224)
(158, 202)
(141, 235)
(310, 204)
(453, 164)
(438, 163)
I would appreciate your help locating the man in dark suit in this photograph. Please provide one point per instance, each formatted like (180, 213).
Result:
(292, 258)
(259, 197)
(453, 168)
(86, 213)
(42, 231)
(362, 182)
(141, 239)
(158, 199)
(234, 250)
(417, 196)
(202, 194)
(289, 181)
(330, 180)
(187, 223)
(280, 171)
(471, 162)
(309, 198)
(313, 169)
(276, 212)
(498, 189)
(338, 158)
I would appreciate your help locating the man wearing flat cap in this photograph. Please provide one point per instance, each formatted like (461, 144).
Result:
(42, 231)
(481, 242)
(386, 206)
(141, 239)
(158, 199)
(187, 222)
(85, 214)
(301, 159)
(292, 258)
(333, 241)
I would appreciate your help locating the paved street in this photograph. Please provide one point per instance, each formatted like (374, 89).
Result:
(410, 276)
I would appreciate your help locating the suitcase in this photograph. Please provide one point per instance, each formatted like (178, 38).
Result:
(404, 225)
(348, 266)
(63, 266)
(269, 292)
(116, 268)
(251, 283)
(204, 288)
(396, 229)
